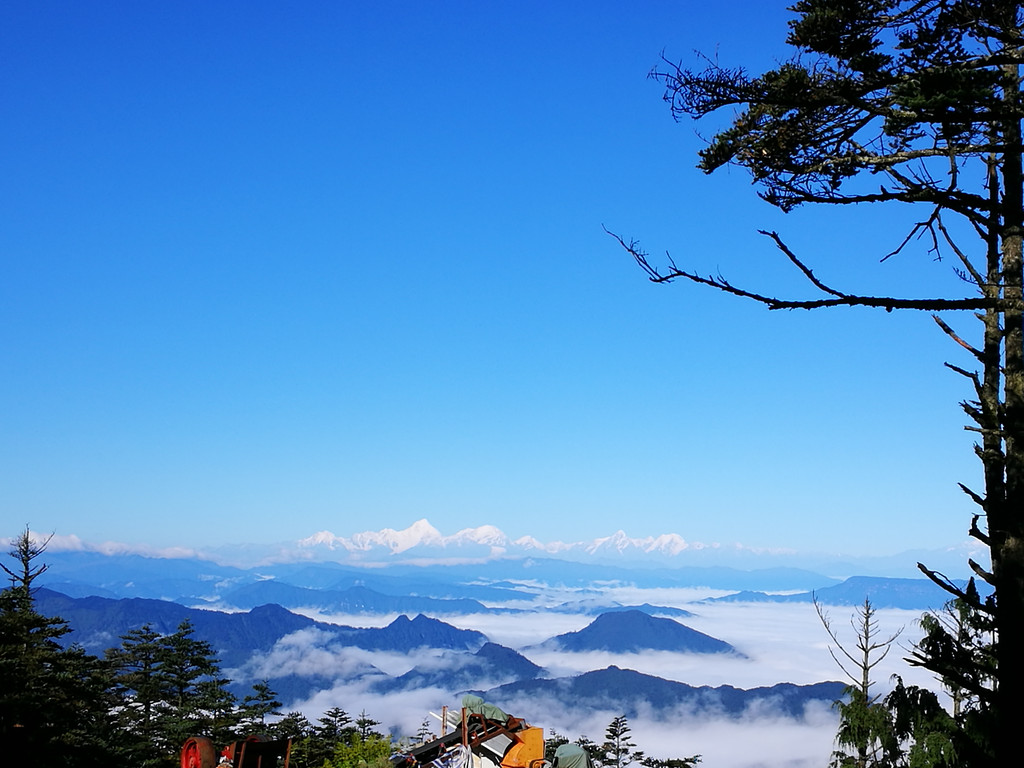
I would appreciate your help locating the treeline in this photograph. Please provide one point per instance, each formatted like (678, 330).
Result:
(138, 704)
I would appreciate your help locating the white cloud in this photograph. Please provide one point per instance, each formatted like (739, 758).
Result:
(72, 543)
(754, 741)
(782, 643)
(308, 652)
(362, 620)
(400, 713)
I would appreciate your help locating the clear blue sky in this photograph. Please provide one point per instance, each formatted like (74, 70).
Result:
(275, 268)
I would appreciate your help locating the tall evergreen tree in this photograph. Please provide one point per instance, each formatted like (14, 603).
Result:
(913, 102)
(364, 726)
(196, 692)
(333, 728)
(54, 703)
(335, 724)
(218, 707)
(958, 645)
(425, 732)
(296, 727)
(258, 706)
(143, 692)
(170, 689)
(618, 749)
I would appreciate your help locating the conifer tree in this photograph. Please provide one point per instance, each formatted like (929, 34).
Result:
(170, 689)
(335, 724)
(866, 737)
(618, 748)
(424, 733)
(296, 727)
(364, 726)
(143, 692)
(258, 706)
(958, 647)
(914, 102)
(54, 702)
(333, 728)
(197, 695)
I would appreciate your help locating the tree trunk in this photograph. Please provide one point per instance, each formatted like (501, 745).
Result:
(1006, 496)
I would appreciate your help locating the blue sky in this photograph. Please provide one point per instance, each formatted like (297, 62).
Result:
(270, 269)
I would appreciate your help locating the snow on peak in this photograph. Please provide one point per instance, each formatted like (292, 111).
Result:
(487, 535)
(528, 542)
(617, 542)
(420, 533)
(493, 542)
(321, 539)
(669, 544)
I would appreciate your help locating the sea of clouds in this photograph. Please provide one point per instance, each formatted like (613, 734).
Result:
(777, 642)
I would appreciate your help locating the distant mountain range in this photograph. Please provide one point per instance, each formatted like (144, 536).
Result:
(98, 623)
(271, 643)
(254, 619)
(265, 621)
(335, 587)
(635, 631)
(911, 594)
(594, 607)
(492, 665)
(421, 542)
(499, 586)
(354, 600)
(628, 692)
(422, 535)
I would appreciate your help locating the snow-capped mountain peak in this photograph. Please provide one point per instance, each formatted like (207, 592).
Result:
(490, 541)
(487, 535)
(419, 534)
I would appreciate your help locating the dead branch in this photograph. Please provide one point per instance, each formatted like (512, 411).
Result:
(975, 531)
(799, 264)
(981, 572)
(952, 334)
(919, 229)
(944, 582)
(972, 375)
(888, 303)
(977, 499)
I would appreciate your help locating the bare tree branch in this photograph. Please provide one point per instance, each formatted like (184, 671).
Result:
(975, 531)
(888, 303)
(954, 590)
(988, 577)
(952, 334)
(800, 265)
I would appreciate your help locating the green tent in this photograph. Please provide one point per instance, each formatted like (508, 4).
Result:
(571, 756)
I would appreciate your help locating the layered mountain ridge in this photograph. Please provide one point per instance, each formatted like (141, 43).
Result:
(273, 645)
(421, 543)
